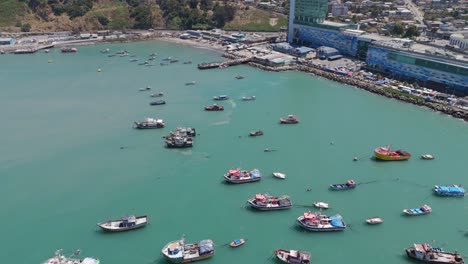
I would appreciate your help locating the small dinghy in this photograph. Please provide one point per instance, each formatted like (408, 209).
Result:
(147, 88)
(190, 83)
(321, 205)
(124, 224)
(158, 102)
(374, 220)
(256, 133)
(427, 157)
(343, 186)
(279, 175)
(237, 243)
(157, 95)
(249, 98)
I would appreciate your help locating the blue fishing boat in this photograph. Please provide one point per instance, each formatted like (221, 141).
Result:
(422, 210)
(450, 190)
(242, 176)
(343, 186)
(158, 102)
(318, 222)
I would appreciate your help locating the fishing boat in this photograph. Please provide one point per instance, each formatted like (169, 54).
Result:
(179, 142)
(422, 210)
(150, 123)
(242, 176)
(147, 88)
(220, 97)
(124, 224)
(173, 60)
(321, 205)
(450, 190)
(374, 220)
(248, 98)
(428, 254)
(237, 243)
(133, 60)
(158, 102)
(279, 175)
(72, 259)
(385, 153)
(47, 50)
(343, 186)
(291, 119)
(180, 252)
(265, 202)
(187, 62)
(167, 59)
(184, 132)
(427, 157)
(157, 94)
(190, 83)
(256, 133)
(68, 50)
(239, 77)
(293, 256)
(214, 107)
(318, 222)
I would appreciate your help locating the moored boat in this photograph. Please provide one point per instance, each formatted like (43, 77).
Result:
(422, 210)
(160, 94)
(426, 253)
(187, 62)
(265, 202)
(343, 186)
(105, 51)
(179, 142)
(190, 83)
(124, 224)
(385, 153)
(293, 256)
(318, 222)
(237, 242)
(180, 252)
(450, 190)
(427, 157)
(239, 77)
(321, 205)
(68, 50)
(291, 119)
(242, 176)
(374, 220)
(150, 123)
(221, 97)
(248, 98)
(158, 102)
(279, 175)
(173, 60)
(256, 133)
(147, 88)
(73, 259)
(214, 107)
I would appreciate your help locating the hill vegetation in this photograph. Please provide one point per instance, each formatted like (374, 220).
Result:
(84, 15)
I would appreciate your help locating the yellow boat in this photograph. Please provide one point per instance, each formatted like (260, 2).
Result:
(385, 153)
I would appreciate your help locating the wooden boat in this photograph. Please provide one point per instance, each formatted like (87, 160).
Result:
(160, 94)
(428, 254)
(318, 222)
(292, 256)
(173, 60)
(256, 133)
(237, 243)
(343, 186)
(265, 202)
(158, 102)
(279, 175)
(427, 157)
(181, 252)
(150, 123)
(385, 153)
(214, 107)
(374, 220)
(321, 205)
(124, 224)
(422, 210)
(291, 119)
(450, 190)
(59, 258)
(248, 98)
(242, 176)
(221, 97)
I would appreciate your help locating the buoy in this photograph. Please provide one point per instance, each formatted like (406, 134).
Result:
(355, 158)
(99, 70)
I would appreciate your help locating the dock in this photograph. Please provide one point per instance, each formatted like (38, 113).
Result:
(221, 64)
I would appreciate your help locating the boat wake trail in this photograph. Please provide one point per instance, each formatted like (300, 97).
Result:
(233, 104)
(185, 152)
(220, 123)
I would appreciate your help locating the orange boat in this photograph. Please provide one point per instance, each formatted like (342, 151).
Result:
(385, 153)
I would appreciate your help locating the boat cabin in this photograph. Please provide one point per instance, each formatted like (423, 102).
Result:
(350, 182)
(296, 257)
(128, 221)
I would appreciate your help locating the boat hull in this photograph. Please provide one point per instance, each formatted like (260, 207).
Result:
(408, 212)
(108, 228)
(413, 257)
(241, 181)
(320, 229)
(181, 260)
(281, 254)
(384, 157)
(265, 208)
(339, 187)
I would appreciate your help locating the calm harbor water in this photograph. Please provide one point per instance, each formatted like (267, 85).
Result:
(69, 158)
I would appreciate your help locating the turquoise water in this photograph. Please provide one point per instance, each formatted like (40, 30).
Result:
(63, 169)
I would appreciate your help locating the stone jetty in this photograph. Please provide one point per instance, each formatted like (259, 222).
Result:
(231, 62)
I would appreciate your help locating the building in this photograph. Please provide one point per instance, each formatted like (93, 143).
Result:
(285, 47)
(339, 10)
(460, 40)
(435, 68)
(7, 41)
(326, 52)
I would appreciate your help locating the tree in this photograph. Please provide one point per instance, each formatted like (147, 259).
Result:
(397, 30)
(411, 31)
(103, 20)
(143, 17)
(25, 28)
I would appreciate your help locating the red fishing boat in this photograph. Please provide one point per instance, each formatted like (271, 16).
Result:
(385, 153)
(291, 119)
(214, 107)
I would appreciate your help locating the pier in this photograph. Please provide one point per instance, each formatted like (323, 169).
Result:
(221, 64)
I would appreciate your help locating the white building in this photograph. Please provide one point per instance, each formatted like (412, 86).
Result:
(460, 40)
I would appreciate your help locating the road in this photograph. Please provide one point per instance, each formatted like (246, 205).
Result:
(417, 13)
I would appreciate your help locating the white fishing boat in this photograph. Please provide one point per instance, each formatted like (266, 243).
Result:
(321, 205)
(427, 157)
(73, 259)
(374, 220)
(279, 175)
